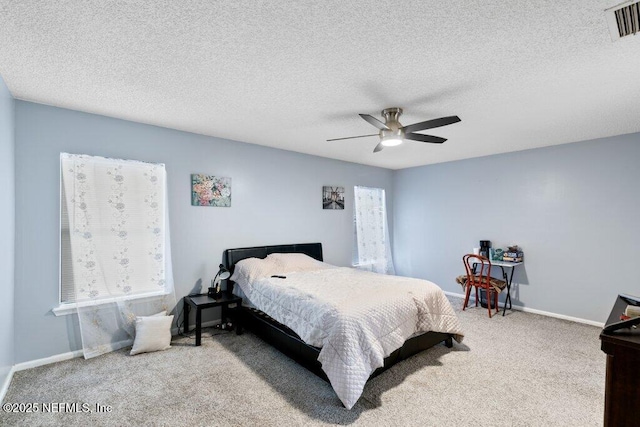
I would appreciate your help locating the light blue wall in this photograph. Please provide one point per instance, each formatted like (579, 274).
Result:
(7, 212)
(276, 198)
(573, 209)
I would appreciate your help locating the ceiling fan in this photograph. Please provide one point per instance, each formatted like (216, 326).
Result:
(393, 133)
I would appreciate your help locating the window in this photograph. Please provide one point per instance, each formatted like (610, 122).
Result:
(112, 229)
(115, 262)
(372, 246)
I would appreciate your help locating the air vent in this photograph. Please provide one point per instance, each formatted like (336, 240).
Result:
(624, 20)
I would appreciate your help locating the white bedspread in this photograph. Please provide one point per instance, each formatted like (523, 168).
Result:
(357, 317)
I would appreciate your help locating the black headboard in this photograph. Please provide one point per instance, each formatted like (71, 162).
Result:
(232, 256)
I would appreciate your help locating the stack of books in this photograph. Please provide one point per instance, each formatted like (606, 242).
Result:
(513, 254)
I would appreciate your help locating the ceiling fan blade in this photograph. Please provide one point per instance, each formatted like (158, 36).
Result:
(424, 138)
(430, 124)
(377, 123)
(351, 137)
(379, 147)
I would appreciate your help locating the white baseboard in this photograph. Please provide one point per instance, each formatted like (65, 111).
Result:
(536, 311)
(34, 364)
(70, 355)
(47, 360)
(67, 356)
(5, 384)
(78, 353)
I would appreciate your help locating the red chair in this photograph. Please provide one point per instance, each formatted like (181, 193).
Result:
(481, 280)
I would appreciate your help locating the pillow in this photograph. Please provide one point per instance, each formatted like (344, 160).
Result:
(153, 333)
(251, 269)
(130, 322)
(290, 262)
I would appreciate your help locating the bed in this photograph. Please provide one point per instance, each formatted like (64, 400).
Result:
(309, 351)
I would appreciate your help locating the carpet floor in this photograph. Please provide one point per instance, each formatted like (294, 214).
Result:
(518, 370)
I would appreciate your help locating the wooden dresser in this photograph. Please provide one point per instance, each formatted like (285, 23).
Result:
(622, 387)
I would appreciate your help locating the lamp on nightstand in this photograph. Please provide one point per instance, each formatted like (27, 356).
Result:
(214, 290)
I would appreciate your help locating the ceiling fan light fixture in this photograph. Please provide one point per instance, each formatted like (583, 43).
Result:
(391, 141)
(392, 133)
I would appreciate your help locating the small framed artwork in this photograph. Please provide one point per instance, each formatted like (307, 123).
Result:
(332, 197)
(209, 190)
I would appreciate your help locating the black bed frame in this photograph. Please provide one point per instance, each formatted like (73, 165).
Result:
(287, 341)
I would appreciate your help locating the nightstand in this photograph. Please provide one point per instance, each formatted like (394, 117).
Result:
(229, 304)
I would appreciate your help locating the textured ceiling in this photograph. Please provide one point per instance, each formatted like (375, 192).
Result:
(291, 74)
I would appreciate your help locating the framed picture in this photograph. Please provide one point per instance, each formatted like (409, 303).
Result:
(208, 190)
(332, 197)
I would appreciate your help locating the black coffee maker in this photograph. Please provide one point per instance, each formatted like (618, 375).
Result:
(484, 248)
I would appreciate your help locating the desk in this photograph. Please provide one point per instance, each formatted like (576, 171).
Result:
(621, 395)
(506, 277)
(200, 302)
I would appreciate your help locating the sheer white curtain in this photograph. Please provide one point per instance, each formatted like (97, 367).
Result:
(373, 248)
(120, 248)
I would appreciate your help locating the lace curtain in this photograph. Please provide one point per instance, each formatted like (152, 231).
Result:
(120, 249)
(373, 248)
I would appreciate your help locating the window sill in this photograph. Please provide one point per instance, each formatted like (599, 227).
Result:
(65, 309)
